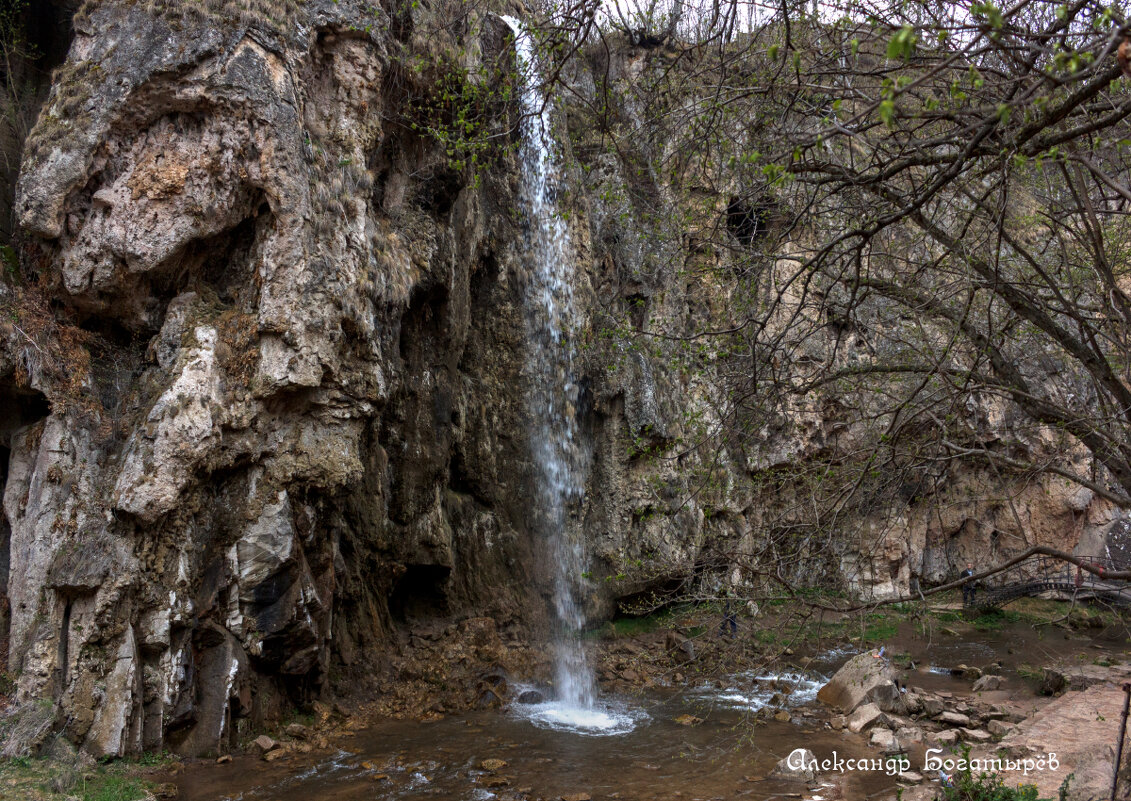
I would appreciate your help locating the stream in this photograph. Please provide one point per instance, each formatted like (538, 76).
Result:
(728, 754)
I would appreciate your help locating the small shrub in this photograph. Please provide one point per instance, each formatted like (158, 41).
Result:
(966, 786)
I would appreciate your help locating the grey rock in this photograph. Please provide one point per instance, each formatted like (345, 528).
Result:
(888, 698)
(954, 719)
(907, 735)
(988, 682)
(863, 717)
(799, 765)
(976, 735)
(945, 737)
(882, 738)
(530, 697)
(998, 728)
(265, 743)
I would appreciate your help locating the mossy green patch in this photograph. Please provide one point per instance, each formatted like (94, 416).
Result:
(34, 779)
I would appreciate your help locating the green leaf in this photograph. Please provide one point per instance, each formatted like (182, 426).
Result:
(902, 45)
(887, 113)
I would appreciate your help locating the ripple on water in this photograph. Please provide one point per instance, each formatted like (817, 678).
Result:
(801, 690)
(600, 720)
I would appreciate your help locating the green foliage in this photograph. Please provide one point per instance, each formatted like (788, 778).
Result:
(632, 626)
(994, 619)
(901, 46)
(879, 628)
(967, 786)
(49, 780)
(114, 788)
(457, 107)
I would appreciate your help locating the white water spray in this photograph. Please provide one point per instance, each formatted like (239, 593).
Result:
(551, 320)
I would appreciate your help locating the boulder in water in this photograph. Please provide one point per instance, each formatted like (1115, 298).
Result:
(850, 686)
(988, 682)
(801, 765)
(531, 697)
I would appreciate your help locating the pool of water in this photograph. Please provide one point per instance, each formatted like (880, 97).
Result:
(638, 751)
(625, 747)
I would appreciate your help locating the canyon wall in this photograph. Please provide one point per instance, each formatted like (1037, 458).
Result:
(263, 367)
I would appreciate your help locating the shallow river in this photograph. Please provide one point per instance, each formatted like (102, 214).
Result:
(727, 755)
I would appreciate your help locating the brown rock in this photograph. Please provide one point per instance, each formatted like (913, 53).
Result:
(298, 731)
(322, 712)
(265, 743)
(849, 686)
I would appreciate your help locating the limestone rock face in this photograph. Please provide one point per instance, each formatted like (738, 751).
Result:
(265, 413)
(283, 434)
(269, 400)
(1080, 728)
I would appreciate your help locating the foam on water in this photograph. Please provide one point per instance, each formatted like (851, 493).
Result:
(803, 691)
(596, 720)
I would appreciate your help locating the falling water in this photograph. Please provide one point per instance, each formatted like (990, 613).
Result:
(551, 318)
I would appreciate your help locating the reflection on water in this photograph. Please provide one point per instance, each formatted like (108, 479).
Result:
(724, 756)
(721, 757)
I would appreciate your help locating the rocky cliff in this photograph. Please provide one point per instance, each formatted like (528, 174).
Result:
(264, 374)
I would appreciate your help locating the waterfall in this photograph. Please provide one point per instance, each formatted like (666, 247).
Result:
(551, 320)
